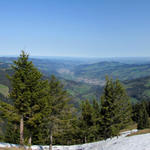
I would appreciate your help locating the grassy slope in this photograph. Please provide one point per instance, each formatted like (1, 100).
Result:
(4, 90)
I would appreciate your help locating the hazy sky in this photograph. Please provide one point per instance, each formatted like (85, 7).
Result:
(102, 28)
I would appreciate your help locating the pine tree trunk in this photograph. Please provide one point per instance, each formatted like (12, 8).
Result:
(30, 142)
(21, 131)
(51, 140)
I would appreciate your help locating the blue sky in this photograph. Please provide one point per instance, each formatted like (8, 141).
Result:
(85, 28)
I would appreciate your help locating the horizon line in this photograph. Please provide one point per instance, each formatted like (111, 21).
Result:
(92, 57)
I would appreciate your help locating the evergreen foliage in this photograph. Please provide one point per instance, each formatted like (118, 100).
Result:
(87, 121)
(28, 94)
(135, 111)
(58, 110)
(115, 109)
(143, 121)
(97, 120)
(42, 110)
(12, 133)
(10, 121)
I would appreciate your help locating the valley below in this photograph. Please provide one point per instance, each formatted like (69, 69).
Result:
(85, 80)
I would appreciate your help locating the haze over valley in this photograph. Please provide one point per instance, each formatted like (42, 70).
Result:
(85, 78)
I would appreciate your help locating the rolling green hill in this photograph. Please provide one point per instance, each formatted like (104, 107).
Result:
(93, 74)
(87, 81)
(98, 71)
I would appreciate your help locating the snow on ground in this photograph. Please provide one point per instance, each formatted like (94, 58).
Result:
(138, 142)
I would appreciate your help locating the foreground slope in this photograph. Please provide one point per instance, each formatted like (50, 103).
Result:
(138, 142)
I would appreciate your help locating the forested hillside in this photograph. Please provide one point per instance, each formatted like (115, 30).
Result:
(117, 70)
(74, 79)
(139, 89)
(94, 73)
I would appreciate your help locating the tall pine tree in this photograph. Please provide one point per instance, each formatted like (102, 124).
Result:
(115, 108)
(27, 93)
(57, 103)
(87, 122)
(96, 120)
(143, 118)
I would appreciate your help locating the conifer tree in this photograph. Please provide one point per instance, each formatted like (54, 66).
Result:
(143, 120)
(11, 133)
(57, 102)
(135, 111)
(7, 111)
(87, 122)
(27, 93)
(107, 110)
(66, 128)
(115, 109)
(96, 108)
(96, 119)
(19, 91)
(11, 121)
(35, 114)
(122, 105)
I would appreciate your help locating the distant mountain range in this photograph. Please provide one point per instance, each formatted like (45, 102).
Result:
(92, 73)
(86, 81)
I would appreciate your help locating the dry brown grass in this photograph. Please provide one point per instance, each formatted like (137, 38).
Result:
(144, 131)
